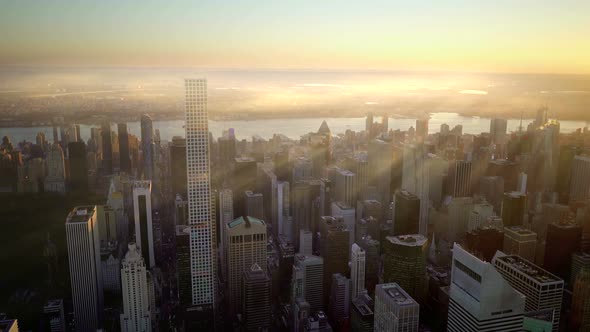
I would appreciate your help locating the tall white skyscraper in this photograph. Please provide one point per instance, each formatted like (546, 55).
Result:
(357, 270)
(136, 306)
(142, 213)
(84, 261)
(480, 299)
(199, 193)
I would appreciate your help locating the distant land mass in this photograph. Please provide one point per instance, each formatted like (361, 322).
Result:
(31, 96)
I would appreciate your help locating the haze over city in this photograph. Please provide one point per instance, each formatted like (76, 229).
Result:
(308, 166)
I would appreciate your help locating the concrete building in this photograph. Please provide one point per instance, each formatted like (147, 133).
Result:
(406, 213)
(307, 281)
(339, 300)
(543, 290)
(580, 181)
(55, 181)
(136, 306)
(481, 300)
(460, 178)
(395, 310)
(520, 241)
(142, 214)
(256, 299)
(404, 262)
(84, 262)
(246, 246)
(334, 249)
(357, 270)
(202, 238)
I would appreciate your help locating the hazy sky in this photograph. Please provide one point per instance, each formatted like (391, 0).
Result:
(506, 36)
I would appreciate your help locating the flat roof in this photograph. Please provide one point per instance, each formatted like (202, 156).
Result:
(248, 220)
(410, 240)
(529, 269)
(80, 214)
(397, 293)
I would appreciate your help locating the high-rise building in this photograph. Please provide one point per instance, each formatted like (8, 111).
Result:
(479, 215)
(520, 241)
(253, 204)
(562, 241)
(404, 262)
(243, 179)
(421, 130)
(183, 265)
(484, 242)
(136, 306)
(459, 209)
(202, 237)
(340, 300)
(78, 177)
(283, 210)
(498, 131)
(53, 316)
(395, 310)
(460, 178)
(226, 215)
(380, 159)
(372, 257)
(357, 270)
(84, 260)
(334, 249)
(513, 208)
(361, 314)
(107, 148)
(305, 242)
(406, 213)
(481, 300)
(178, 166)
(246, 246)
(492, 189)
(256, 299)
(56, 174)
(543, 290)
(580, 261)
(147, 141)
(347, 214)
(142, 215)
(416, 179)
(345, 187)
(580, 318)
(307, 281)
(124, 151)
(580, 181)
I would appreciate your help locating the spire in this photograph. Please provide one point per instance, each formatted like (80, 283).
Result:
(324, 129)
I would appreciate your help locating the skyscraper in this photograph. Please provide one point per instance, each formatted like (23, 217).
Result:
(107, 148)
(421, 130)
(395, 310)
(543, 290)
(147, 141)
(361, 314)
(199, 190)
(459, 178)
(357, 270)
(142, 215)
(253, 205)
(345, 187)
(340, 300)
(246, 246)
(481, 300)
(136, 306)
(404, 262)
(513, 208)
(124, 152)
(84, 261)
(498, 130)
(308, 272)
(56, 176)
(406, 215)
(562, 241)
(580, 181)
(178, 165)
(581, 302)
(256, 299)
(416, 179)
(78, 180)
(334, 249)
(380, 158)
(520, 242)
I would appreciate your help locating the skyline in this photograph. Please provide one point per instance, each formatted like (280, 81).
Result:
(482, 37)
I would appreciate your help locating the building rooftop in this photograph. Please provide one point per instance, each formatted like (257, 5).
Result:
(247, 220)
(143, 184)
(519, 230)
(398, 294)
(80, 214)
(410, 240)
(529, 269)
